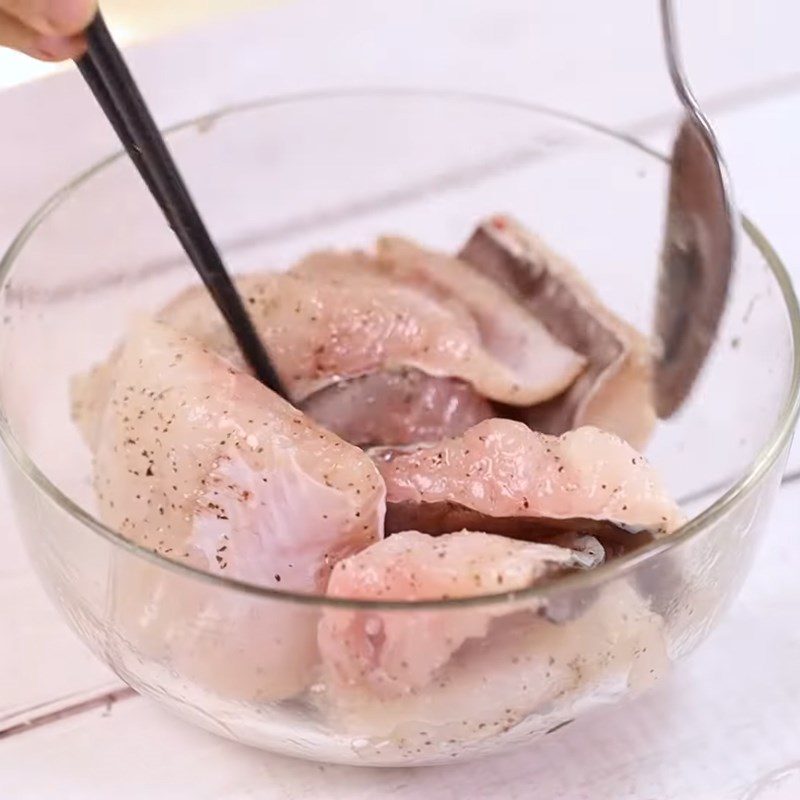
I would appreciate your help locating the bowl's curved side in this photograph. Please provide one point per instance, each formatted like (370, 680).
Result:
(430, 163)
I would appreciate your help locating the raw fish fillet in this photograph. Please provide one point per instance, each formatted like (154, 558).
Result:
(502, 477)
(615, 391)
(399, 653)
(201, 463)
(391, 409)
(507, 330)
(322, 331)
(192, 453)
(526, 676)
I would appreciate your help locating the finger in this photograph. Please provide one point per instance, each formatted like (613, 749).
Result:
(17, 36)
(52, 17)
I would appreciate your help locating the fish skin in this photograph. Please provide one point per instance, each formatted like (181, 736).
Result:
(615, 391)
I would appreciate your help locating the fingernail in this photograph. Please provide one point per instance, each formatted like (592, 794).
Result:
(56, 48)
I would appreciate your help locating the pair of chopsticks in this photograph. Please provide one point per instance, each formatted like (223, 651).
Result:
(112, 84)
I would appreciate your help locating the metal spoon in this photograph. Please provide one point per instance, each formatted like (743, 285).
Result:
(699, 244)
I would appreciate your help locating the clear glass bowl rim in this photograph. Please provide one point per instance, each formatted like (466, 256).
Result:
(578, 581)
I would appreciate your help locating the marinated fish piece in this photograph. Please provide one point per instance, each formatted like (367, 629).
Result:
(506, 329)
(201, 463)
(397, 408)
(399, 653)
(192, 453)
(384, 409)
(502, 477)
(615, 390)
(526, 677)
(321, 331)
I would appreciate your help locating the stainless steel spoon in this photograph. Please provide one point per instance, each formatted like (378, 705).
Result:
(699, 244)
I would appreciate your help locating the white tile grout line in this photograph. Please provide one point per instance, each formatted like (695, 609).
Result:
(55, 710)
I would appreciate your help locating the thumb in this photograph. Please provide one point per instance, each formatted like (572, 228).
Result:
(44, 46)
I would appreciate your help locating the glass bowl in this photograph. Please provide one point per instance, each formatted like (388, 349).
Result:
(275, 179)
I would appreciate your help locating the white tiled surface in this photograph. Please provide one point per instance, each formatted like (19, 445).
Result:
(730, 716)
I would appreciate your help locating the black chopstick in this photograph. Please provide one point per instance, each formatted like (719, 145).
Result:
(114, 88)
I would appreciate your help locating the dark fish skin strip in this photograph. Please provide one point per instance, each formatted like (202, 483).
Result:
(448, 517)
(618, 373)
(554, 304)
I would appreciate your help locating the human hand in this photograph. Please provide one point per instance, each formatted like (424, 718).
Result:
(50, 30)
